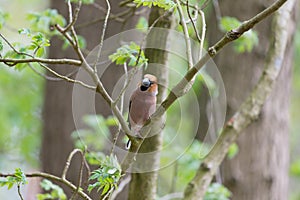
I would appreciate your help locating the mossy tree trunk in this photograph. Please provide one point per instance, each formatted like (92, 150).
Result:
(144, 185)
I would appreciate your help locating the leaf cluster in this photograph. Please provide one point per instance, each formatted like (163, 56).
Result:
(53, 191)
(18, 178)
(165, 4)
(217, 191)
(107, 176)
(131, 53)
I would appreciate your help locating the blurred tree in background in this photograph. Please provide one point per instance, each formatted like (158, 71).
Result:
(22, 96)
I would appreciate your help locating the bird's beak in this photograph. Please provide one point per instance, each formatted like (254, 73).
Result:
(146, 82)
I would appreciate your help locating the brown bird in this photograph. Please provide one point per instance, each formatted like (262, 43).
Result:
(142, 103)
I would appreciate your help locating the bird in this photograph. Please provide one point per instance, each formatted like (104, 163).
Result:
(142, 104)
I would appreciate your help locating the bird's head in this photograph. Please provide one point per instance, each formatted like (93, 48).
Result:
(149, 83)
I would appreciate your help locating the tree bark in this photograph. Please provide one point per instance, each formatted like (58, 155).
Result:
(260, 170)
(57, 110)
(144, 185)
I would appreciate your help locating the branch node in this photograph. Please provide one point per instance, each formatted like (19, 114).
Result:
(233, 35)
(212, 51)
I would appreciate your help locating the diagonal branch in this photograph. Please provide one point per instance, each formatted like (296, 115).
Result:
(249, 110)
(183, 86)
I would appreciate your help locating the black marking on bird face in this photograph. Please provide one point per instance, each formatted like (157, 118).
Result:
(146, 83)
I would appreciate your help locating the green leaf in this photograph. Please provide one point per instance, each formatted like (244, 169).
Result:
(142, 24)
(107, 176)
(54, 191)
(81, 42)
(295, 168)
(105, 189)
(131, 53)
(42, 21)
(233, 151)
(229, 23)
(217, 191)
(18, 178)
(24, 31)
(3, 18)
(165, 4)
(1, 45)
(246, 42)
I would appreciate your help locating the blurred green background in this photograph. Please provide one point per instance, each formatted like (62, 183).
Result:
(21, 98)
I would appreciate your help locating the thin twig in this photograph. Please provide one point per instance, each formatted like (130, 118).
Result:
(121, 187)
(176, 195)
(53, 178)
(12, 62)
(83, 162)
(19, 192)
(193, 20)
(202, 33)
(67, 78)
(186, 35)
(72, 19)
(49, 77)
(102, 36)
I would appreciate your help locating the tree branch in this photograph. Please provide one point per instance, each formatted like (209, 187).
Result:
(62, 61)
(53, 178)
(186, 35)
(184, 85)
(249, 110)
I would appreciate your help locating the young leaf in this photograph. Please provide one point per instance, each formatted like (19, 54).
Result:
(24, 31)
(1, 45)
(217, 191)
(131, 53)
(107, 176)
(42, 21)
(3, 18)
(246, 42)
(18, 178)
(165, 4)
(54, 191)
(233, 151)
(142, 24)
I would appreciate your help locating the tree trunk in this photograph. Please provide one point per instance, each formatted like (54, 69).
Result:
(57, 111)
(260, 170)
(144, 185)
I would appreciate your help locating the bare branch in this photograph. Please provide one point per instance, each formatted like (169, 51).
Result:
(62, 61)
(171, 196)
(67, 78)
(102, 36)
(72, 20)
(203, 32)
(50, 78)
(19, 192)
(186, 35)
(181, 88)
(250, 109)
(193, 20)
(121, 187)
(53, 178)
